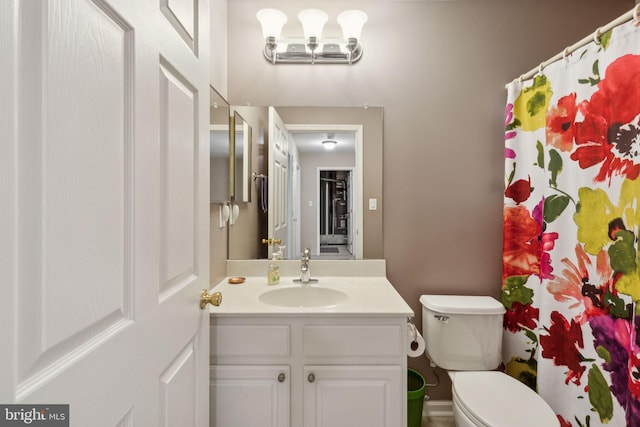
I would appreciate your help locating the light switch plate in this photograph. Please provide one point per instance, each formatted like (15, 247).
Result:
(373, 204)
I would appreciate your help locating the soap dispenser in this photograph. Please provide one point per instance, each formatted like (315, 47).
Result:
(273, 273)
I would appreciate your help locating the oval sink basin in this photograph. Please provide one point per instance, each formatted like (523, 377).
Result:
(304, 296)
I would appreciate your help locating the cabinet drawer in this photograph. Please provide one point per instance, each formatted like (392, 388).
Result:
(353, 340)
(250, 340)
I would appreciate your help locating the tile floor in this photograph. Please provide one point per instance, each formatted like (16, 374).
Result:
(438, 422)
(337, 252)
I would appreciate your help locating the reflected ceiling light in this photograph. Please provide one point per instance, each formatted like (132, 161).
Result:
(312, 49)
(329, 143)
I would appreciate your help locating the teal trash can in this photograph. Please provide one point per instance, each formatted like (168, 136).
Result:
(415, 398)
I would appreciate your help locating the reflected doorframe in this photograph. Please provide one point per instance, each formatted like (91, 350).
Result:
(359, 180)
(351, 191)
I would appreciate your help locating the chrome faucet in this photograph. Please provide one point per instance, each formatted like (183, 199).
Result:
(304, 266)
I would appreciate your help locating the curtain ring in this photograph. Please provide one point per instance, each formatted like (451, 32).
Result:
(596, 36)
(540, 68)
(565, 54)
(635, 13)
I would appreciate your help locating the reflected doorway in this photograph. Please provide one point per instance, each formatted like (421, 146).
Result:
(313, 156)
(335, 213)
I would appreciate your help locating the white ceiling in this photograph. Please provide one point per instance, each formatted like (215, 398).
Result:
(310, 142)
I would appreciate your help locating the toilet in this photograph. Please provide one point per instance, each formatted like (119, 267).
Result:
(463, 334)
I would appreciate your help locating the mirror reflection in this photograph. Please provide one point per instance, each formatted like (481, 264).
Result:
(319, 198)
(219, 148)
(242, 159)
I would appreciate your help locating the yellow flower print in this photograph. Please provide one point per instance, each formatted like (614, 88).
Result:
(531, 106)
(605, 226)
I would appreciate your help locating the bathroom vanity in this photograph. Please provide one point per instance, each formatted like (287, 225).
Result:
(334, 357)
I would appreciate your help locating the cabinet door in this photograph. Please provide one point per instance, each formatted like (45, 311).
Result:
(353, 396)
(245, 396)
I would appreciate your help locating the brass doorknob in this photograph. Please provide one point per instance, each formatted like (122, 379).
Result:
(207, 298)
(271, 241)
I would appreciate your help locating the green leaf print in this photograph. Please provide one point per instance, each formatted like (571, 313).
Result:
(540, 149)
(555, 167)
(623, 252)
(514, 290)
(554, 206)
(600, 395)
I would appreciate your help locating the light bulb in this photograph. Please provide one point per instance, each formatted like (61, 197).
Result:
(272, 21)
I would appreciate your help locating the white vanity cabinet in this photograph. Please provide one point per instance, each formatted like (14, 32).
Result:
(249, 396)
(352, 396)
(308, 371)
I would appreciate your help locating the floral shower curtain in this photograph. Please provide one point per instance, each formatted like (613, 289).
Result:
(571, 266)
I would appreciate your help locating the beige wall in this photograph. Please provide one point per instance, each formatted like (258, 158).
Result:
(438, 69)
(246, 234)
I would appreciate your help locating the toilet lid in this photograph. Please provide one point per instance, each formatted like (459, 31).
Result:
(495, 399)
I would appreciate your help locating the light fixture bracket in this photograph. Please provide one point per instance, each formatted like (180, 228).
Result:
(297, 51)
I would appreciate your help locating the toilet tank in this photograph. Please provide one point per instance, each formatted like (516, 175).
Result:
(462, 333)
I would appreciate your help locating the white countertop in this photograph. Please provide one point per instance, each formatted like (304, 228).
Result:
(369, 292)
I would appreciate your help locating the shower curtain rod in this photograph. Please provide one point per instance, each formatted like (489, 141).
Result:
(595, 37)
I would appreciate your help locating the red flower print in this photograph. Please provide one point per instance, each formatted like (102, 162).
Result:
(562, 346)
(610, 132)
(519, 191)
(560, 123)
(521, 315)
(563, 422)
(521, 246)
(576, 283)
(548, 241)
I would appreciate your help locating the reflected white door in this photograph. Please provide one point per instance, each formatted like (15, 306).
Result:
(278, 214)
(294, 241)
(104, 225)
(352, 224)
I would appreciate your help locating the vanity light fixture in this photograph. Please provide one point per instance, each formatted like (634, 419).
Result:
(312, 49)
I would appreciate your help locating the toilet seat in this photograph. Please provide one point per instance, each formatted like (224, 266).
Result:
(494, 399)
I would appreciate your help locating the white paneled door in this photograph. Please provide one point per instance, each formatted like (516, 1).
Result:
(278, 192)
(104, 209)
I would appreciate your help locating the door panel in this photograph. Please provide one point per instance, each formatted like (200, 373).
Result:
(75, 187)
(178, 384)
(106, 172)
(182, 16)
(179, 145)
(278, 214)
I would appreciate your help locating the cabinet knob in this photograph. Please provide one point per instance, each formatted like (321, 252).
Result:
(281, 378)
(311, 378)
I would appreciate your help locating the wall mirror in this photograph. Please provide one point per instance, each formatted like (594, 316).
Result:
(321, 192)
(219, 148)
(241, 166)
